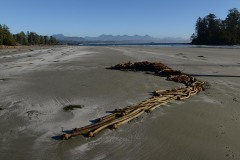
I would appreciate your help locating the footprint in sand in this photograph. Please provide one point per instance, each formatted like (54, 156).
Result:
(229, 153)
(234, 118)
(202, 58)
(179, 54)
(33, 114)
(235, 99)
(221, 130)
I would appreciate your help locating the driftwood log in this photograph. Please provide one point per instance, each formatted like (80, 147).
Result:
(159, 98)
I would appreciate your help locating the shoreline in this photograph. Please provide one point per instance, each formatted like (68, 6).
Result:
(21, 49)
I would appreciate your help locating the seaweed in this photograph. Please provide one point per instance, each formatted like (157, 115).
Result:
(119, 117)
(72, 107)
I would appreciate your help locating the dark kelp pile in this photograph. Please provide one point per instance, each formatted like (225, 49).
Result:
(159, 98)
(72, 107)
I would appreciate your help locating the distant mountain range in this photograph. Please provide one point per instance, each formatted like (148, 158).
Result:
(61, 37)
(120, 38)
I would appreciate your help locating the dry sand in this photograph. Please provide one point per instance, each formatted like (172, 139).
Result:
(35, 85)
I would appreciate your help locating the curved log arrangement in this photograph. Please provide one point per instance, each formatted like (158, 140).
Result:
(159, 98)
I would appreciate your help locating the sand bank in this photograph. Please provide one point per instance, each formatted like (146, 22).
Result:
(36, 85)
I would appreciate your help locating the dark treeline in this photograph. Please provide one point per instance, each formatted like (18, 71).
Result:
(29, 38)
(212, 31)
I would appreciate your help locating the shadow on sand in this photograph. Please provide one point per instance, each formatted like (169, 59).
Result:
(59, 137)
(214, 75)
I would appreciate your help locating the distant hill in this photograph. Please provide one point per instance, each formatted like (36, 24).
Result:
(120, 38)
(104, 37)
(61, 37)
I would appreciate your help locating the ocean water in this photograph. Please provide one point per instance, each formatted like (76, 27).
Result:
(139, 44)
(181, 45)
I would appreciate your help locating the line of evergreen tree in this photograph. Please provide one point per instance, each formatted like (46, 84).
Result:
(6, 38)
(30, 38)
(212, 31)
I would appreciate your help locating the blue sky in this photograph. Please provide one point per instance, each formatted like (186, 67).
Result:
(157, 18)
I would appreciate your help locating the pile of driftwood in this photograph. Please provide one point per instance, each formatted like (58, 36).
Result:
(159, 98)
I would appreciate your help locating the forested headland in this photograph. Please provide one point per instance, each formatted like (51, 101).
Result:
(213, 31)
(28, 38)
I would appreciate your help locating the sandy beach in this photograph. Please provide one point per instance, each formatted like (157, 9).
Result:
(35, 85)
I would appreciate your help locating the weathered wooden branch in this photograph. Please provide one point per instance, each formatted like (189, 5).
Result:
(159, 98)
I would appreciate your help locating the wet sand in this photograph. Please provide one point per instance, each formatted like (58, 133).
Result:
(35, 85)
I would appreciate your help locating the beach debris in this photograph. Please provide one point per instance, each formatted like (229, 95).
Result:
(72, 107)
(141, 66)
(160, 97)
(179, 54)
(33, 114)
(4, 79)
